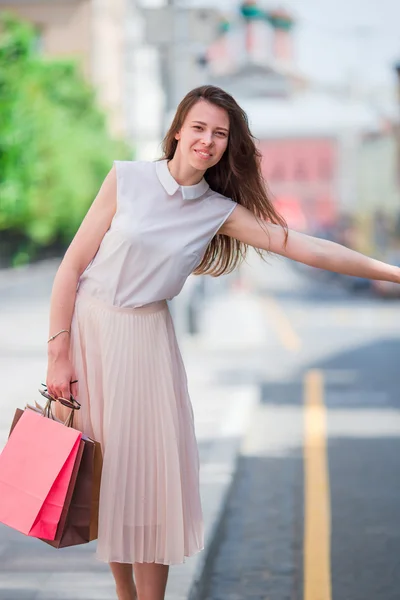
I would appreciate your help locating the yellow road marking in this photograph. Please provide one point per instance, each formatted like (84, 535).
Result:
(317, 512)
(287, 335)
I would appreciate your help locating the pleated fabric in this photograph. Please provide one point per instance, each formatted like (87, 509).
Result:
(133, 389)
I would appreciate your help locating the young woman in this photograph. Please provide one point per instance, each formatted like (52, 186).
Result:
(150, 226)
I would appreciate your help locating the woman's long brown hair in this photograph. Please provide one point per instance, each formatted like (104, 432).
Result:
(237, 175)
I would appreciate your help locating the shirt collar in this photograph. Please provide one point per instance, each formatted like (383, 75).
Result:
(189, 192)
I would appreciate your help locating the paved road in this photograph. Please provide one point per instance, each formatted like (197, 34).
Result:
(315, 509)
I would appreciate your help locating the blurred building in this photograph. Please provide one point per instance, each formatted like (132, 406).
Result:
(63, 28)
(106, 38)
(378, 192)
(326, 153)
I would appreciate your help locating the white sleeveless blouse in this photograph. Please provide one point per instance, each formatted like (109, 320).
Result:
(157, 237)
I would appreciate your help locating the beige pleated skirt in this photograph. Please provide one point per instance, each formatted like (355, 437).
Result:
(133, 390)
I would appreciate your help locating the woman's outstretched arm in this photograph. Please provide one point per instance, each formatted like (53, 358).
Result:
(316, 252)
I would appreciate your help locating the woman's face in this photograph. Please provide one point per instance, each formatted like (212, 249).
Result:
(203, 138)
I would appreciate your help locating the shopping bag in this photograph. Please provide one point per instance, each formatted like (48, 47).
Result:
(36, 466)
(81, 525)
(82, 521)
(79, 519)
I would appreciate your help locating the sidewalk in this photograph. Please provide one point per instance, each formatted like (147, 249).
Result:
(31, 570)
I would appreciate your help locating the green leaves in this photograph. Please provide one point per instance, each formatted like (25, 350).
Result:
(54, 146)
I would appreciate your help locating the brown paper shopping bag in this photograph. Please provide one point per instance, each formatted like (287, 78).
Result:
(81, 525)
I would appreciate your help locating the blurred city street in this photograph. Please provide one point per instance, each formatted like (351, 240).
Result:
(299, 378)
(292, 371)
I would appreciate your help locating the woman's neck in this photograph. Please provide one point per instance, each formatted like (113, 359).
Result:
(183, 172)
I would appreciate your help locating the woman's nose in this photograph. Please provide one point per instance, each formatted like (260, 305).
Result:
(207, 138)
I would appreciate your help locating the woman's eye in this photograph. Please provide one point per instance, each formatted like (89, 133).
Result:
(196, 127)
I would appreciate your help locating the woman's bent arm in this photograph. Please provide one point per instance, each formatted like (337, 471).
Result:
(79, 254)
(306, 249)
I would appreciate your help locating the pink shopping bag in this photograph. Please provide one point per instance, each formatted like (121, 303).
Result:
(36, 466)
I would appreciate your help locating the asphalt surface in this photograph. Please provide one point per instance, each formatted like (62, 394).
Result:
(353, 340)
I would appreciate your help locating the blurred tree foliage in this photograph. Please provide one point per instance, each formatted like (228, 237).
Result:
(54, 146)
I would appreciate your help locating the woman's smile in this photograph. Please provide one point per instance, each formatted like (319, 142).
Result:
(203, 154)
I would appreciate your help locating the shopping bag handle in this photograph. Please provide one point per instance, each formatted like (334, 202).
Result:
(71, 403)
